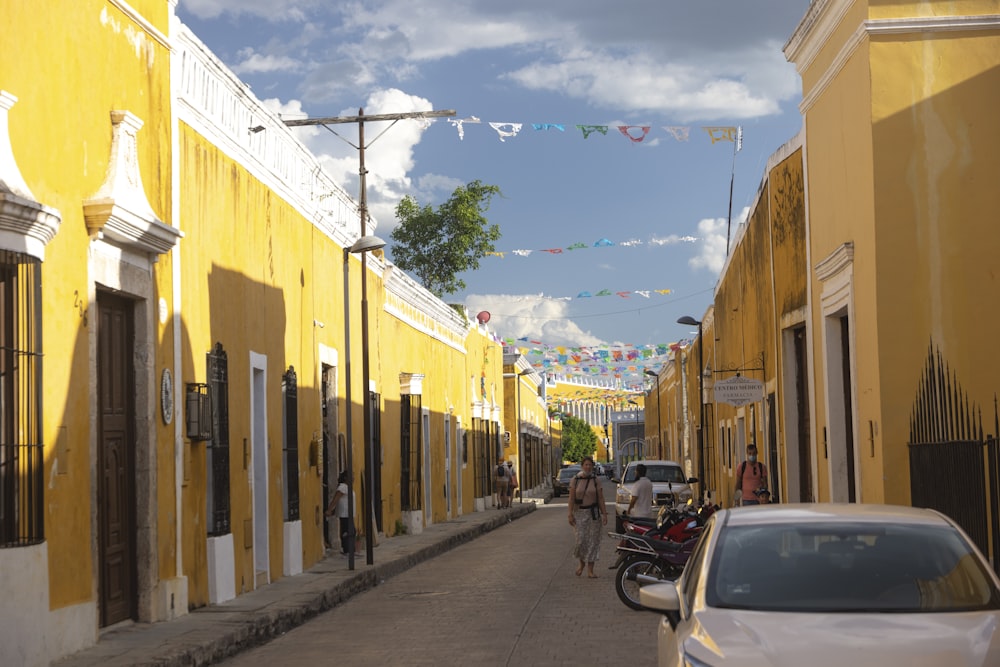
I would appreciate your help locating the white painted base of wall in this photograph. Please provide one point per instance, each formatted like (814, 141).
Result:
(414, 522)
(70, 629)
(482, 504)
(221, 569)
(24, 580)
(292, 562)
(172, 600)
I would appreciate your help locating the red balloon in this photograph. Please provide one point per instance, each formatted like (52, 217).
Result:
(483, 317)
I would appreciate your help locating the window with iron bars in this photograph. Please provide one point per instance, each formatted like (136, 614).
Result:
(290, 446)
(410, 447)
(217, 448)
(21, 447)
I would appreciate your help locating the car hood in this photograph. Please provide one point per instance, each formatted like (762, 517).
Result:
(752, 639)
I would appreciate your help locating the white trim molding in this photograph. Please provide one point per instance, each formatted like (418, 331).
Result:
(120, 211)
(25, 224)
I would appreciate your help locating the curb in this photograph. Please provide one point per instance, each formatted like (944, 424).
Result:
(233, 628)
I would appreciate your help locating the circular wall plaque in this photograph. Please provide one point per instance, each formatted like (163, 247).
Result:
(167, 396)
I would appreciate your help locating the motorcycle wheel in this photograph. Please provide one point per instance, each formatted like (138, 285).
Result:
(628, 588)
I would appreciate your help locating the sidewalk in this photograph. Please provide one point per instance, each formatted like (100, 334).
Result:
(210, 634)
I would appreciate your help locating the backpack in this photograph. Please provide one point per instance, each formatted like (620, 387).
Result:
(501, 470)
(743, 467)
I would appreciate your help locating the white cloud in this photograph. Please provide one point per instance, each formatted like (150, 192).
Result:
(388, 151)
(687, 62)
(533, 316)
(255, 62)
(712, 249)
(272, 10)
(712, 233)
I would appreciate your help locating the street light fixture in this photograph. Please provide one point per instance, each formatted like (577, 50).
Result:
(517, 428)
(659, 431)
(690, 321)
(363, 245)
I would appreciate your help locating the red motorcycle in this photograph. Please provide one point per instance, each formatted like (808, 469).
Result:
(656, 550)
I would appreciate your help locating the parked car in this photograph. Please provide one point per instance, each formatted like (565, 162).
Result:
(668, 481)
(830, 584)
(560, 483)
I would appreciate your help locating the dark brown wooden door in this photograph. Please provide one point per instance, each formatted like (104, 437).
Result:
(116, 460)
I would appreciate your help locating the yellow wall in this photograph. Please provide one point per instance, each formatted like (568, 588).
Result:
(94, 60)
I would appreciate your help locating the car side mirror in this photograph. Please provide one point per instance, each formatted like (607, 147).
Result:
(664, 598)
(692, 480)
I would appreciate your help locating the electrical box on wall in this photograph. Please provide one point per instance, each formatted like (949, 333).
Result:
(506, 437)
(198, 411)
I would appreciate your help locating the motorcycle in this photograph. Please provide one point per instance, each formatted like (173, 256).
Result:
(652, 551)
(644, 560)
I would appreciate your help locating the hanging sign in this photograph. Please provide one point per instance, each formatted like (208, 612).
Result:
(739, 391)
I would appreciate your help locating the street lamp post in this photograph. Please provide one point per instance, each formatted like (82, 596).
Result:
(362, 245)
(690, 321)
(659, 428)
(517, 428)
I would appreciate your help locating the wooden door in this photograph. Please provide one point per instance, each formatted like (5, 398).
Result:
(116, 460)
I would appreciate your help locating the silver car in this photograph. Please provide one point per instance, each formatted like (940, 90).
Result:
(669, 484)
(830, 584)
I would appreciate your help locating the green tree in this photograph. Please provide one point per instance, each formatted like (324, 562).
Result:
(438, 244)
(578, 439)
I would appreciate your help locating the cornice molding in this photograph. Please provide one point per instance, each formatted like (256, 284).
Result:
(26, 225)
(834, 263)
(875, 28)
(120, 212)
(141, 21)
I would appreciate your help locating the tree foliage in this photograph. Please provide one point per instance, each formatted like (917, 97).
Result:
(438, 244)
(578, 439)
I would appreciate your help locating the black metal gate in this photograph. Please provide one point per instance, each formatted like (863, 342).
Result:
(953, 465)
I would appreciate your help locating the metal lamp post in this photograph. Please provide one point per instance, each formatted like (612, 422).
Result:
(659, 431)
(362, 245)
(690, 321)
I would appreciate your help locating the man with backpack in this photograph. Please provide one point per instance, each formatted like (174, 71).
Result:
(751, 476)
(502, 475)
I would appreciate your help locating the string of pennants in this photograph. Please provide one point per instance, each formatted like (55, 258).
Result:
(636, 134)
(622, 361)
(600, 243)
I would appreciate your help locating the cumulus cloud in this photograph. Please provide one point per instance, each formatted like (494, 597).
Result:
(388, 161)
(256, 62)
(534, 316)
(688, 62)
(712, 249)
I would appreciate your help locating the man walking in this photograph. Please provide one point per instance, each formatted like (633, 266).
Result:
(751, 476)
(641, 503)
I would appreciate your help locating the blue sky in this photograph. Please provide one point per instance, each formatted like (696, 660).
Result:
(662, 203)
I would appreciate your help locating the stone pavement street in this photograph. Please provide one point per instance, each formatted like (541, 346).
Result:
(210, 634)
(507, 599)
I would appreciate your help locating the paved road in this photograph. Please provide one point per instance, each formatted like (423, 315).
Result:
(509, 597)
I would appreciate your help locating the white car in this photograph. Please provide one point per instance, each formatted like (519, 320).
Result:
(667, 478)
(829, 584)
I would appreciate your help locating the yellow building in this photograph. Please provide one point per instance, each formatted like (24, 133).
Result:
(200, 317)
(900, 136)
(855, 300)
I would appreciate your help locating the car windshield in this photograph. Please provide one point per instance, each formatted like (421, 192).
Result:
(657, 474)
(566, 474)
(847, 567)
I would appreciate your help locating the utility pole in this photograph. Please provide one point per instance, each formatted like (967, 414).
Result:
(369, 449)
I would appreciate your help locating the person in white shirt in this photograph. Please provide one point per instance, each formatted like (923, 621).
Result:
(338, 508)
(641, 504)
